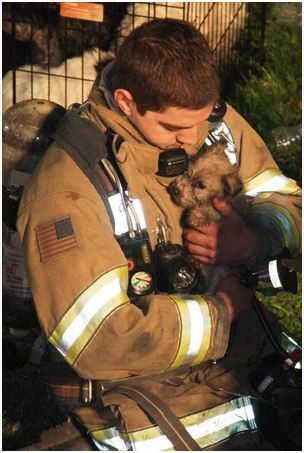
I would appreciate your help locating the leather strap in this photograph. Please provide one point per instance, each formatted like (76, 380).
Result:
(162, 415)
(87, 146)
(64, 382)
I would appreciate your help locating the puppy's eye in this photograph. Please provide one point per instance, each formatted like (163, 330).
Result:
(199, 185)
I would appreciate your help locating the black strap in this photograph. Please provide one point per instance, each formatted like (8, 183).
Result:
(163, 416)
(86, 145)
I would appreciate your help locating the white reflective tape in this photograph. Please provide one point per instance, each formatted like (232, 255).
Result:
(154, 444)
(222, 131)
(119, 215)
(221, 421)
(115, 442)
(203, 429)
(196, 329)
(273, 184)
(265, 384)
(274, 274)
(92, 306)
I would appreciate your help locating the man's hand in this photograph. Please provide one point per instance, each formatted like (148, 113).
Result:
(229, 242)
(237, 297)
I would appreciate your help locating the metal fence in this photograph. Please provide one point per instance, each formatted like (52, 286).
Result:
(48, 56)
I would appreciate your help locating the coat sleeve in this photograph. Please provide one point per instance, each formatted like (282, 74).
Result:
(79, 277)
(274, 199)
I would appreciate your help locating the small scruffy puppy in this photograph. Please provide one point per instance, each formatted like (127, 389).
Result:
(209, 175)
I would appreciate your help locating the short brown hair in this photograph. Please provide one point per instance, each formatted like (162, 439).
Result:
(167, 62)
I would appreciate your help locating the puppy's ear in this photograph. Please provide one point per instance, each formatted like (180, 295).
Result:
(232, 185)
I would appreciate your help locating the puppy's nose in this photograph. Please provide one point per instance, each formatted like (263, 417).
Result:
(173, 190)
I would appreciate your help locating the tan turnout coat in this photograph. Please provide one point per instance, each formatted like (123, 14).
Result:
(79, 288)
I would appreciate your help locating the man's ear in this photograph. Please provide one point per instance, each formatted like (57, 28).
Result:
(124, 100)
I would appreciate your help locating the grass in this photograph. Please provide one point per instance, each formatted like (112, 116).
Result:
(288, 309)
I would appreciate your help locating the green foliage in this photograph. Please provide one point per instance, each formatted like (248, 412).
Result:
(290, 161)
(272, 97)
(288, 309)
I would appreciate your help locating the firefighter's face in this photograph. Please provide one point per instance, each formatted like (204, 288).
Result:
(171, 128)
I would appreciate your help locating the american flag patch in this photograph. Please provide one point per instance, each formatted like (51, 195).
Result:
(55, 238)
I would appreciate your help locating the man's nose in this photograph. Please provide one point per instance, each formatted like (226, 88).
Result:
(187, 136)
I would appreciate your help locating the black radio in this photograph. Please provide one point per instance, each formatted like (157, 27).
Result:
(137, 250)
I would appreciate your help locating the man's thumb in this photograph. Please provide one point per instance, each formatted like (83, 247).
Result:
(221, 206)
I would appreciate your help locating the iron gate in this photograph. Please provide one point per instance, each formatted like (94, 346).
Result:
(49, 56)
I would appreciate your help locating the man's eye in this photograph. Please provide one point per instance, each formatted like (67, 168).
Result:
(199, 185)
(170, 129)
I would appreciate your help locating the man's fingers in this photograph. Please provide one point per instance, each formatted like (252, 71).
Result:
(198, 235)
(201, 250)
(221, 206)
(203, 259)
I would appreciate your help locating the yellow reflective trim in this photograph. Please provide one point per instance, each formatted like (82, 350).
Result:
(207, 330)
(186, 353)
(104, 434)
(290, 187)
(184, 340)
(207, 427)
(119, 274)
(261, 177)
(89, 332)
(287, 190)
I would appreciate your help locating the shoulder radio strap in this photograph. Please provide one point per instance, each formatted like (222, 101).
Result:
(87, 146)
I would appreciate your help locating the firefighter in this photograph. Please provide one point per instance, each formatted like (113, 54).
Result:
(159, 370)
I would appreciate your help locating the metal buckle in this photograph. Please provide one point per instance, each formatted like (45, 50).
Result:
(87, 391)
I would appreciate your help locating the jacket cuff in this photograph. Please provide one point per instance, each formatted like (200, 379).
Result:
(221, 330)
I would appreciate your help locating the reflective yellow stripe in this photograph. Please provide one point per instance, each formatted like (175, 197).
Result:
(207, 427)
(195, 330)
(90, 309)
(269, 181)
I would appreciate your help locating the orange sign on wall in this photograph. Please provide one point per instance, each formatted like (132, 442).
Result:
(84, 11)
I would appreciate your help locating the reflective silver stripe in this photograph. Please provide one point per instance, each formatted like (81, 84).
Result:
(274, 275)
(109, 438)
(120, 219)
(222, 131)
(92, 306)
(195, 329)
(207, 427)
(197, 325)
(90, 309)
(218, 426)
(274, 181)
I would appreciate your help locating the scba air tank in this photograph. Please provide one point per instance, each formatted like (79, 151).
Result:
(26, 129)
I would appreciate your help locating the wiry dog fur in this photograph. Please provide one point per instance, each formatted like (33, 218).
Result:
(209, 175)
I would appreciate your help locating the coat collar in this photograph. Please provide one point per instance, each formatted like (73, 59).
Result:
(106, 114)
